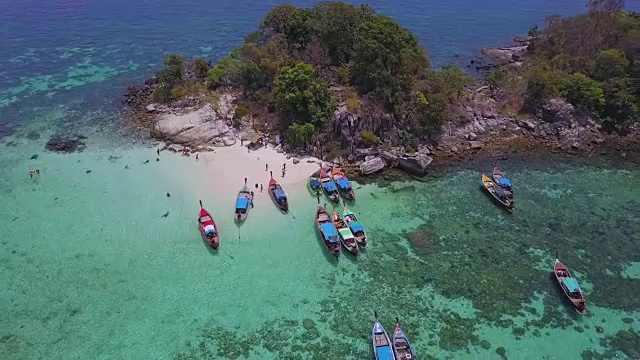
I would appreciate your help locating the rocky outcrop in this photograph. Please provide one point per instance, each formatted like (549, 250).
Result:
(372, 166)
(195, 127)
(65, 145)
(416, 165)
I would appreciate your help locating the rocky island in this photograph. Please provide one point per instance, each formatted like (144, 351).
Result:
(351, 86)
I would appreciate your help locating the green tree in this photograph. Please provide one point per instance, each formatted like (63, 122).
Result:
(300, 97)
(584, 92)
(301, 134)
(201, 68)
(335, 24)
(387, 60)
(289, 21)
(495, 77)
(621, 107)
(369, 138)
(452, 81)
(173, 69)
(162, 93)
(611, 63)
(543, 83)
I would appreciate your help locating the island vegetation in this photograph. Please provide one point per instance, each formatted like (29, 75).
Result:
(305, 68)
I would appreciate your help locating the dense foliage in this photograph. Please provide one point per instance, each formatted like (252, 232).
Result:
(300, 59)
(591, 60)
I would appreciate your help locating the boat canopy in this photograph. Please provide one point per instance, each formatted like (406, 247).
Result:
(209, 229)
(329, 232)
(330, 186)
(356, 227)
(571, 284)
(346, 234)
(242, 203)
(503, 181)
(384, 353)
(315, 183)
(344, 183)
(280, 195)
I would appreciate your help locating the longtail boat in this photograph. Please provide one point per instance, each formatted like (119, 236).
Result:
(501, 180)
(243, 201)
(346, 236)
(208, 228)
(343, 183)
(327, 231)
(314, 186)
(355, 226)
(382, 348)
(503, 196)
(329, 186)
(570, 287)
(278, 195)
(401, 346)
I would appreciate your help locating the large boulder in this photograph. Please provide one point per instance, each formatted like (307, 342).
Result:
(557, 110)
(372, 166)
(192, 128)
(416, 165)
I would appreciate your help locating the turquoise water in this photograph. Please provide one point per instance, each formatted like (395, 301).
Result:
(91, 269)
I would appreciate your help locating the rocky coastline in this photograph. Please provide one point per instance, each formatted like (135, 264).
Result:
(480, 130)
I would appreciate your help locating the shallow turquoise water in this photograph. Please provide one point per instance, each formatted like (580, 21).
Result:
(93, 270)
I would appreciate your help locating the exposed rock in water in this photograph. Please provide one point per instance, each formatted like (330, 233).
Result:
(34, 156)
(416, 165)
(64, 145)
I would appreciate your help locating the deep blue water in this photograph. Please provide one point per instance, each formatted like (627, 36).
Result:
(82, 54)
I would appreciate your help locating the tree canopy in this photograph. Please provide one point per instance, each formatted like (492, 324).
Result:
(591, 60)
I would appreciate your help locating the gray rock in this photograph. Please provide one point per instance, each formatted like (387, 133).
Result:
(372, 166)
(193, 128)
(296, 161)
(527, 124)
(472, 136)
(415, 165)
(151, 107)
(475, 145)
(389, 156)
(557, 110)
(454, 149)
(228, 140)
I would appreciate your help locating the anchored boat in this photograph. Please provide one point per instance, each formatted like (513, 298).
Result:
(570, 287)
(503, 196)
(243, 201)
(329, 186)
(346, 237)
(380, 340)
(208, 228)
(401, 346)
(344, 185)
(355, 226)
(327, 231)
(278, 195)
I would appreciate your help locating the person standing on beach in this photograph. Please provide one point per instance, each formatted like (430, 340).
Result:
(266, 167)
(197, 157)
(260, 187)
(158, 151)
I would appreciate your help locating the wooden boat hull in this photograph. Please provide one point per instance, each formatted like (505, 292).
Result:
(333, 247)
(490, 187)
(346, 237)
(241, 213)
(273, 188)
(402, 348)
(359, 233)
(325, 180)
(315, 191)
(347, 194)
(579, 304)
(213, 242)
(497, 175)
(381, 343)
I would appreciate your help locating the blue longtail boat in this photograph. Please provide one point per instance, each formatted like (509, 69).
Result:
(243, 202)
(343, 183)
(382, 348)
(329, 186)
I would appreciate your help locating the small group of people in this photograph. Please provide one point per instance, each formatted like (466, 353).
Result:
(284, 168)
(33, 172)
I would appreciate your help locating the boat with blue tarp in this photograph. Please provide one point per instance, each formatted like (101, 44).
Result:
(327, 231)
(314, 186)
(343, 183)
(570, 287)
(382, 348)
(502, 181)
(328, 186)
(401, 346)
(356, 228)
(243, 202)
(278, 195)
(503, 196)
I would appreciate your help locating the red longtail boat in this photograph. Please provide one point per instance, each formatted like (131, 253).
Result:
(208, 228)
